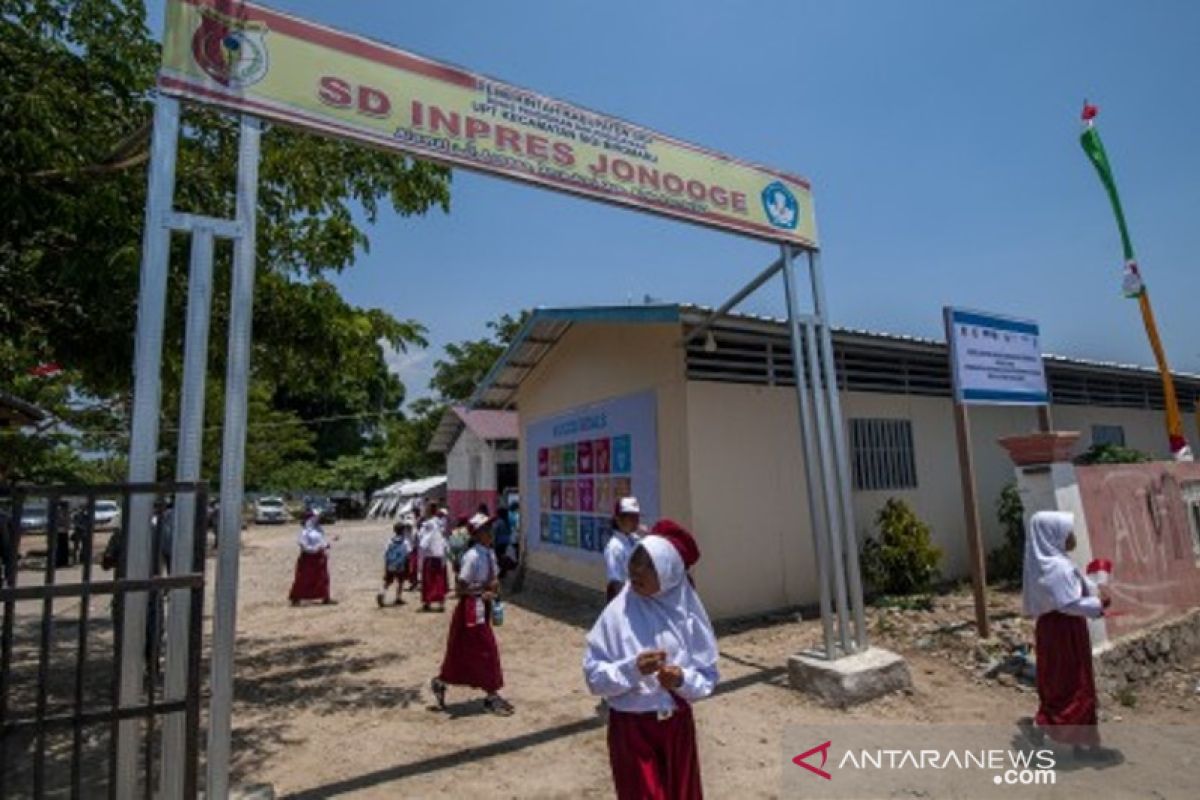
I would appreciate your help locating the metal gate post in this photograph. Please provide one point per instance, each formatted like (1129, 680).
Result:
(841, 461)
(829, 495)
(147, 397)
(233, 462)
(807, 440)
(187, 470)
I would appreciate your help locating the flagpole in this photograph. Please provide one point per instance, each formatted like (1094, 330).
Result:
(1133, 285)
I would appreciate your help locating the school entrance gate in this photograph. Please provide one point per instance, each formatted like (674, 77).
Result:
(266, 65)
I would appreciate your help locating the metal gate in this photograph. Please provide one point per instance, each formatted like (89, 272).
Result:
(64, 594)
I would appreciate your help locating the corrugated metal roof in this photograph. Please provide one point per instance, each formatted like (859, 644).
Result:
(491, 425)
(545, 327)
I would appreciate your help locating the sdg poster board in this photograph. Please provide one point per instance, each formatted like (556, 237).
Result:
(995, 360)
(581, 461)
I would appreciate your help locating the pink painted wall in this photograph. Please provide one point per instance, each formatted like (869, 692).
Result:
(463, 502)
(1137, 517)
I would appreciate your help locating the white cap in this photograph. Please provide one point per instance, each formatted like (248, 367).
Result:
(628, 505)
(478, 521)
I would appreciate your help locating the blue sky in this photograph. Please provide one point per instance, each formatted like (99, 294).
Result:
(941, 139)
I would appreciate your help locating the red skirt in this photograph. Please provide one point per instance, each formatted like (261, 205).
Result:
(472, 657)
(410, 567)
(312, 577)
(433, 581)
(653, 759)
(1065, 683)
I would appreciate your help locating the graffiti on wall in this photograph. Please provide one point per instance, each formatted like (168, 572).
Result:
(1145, 518)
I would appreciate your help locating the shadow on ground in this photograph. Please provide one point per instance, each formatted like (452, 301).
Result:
(279, 677)
(472, 755)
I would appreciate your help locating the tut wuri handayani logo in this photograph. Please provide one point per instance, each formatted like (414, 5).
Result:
(231, 51)
(781, 206)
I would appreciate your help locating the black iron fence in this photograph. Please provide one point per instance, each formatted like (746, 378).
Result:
(65, 589)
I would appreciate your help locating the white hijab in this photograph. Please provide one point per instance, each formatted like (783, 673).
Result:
(1050, 579)
(673, 620)
(312, 538)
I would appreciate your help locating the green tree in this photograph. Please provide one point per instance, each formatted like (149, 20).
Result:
(76, 92)
(903, 559)
(1004, 564)
(456, 376)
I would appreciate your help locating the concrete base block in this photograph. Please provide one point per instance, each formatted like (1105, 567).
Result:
(849, 680)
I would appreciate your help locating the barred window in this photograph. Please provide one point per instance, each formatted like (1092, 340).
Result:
(883, 454)
(1108, 434)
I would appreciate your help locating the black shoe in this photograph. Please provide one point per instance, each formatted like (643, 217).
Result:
(499, 706)
(439, 692)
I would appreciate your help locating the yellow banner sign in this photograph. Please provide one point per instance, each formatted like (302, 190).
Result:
(259, 61)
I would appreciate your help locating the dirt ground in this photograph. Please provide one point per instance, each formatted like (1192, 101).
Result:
(333, 701)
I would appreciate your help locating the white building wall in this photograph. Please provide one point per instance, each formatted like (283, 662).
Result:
(749, 498)
(460, 475)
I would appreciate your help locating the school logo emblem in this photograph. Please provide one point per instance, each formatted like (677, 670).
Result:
(231, 51)
(781, 206)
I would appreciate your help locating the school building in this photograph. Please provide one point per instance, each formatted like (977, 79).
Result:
(480, 446)
(611, 400)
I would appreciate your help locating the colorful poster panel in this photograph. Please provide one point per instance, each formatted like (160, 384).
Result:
(587, 495)
(622, 455)
(602, 456)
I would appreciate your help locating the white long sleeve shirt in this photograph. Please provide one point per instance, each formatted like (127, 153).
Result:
(620, 682)
(616, 556)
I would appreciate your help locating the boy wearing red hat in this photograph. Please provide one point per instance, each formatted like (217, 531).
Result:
(652, 654)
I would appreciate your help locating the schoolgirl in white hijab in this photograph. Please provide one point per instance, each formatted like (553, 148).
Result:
(1059, 597)
(1051, 582)
(651, 654)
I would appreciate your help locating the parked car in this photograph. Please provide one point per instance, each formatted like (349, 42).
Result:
(33, 518)
(270, 511)
(107, 515)
(325, 510)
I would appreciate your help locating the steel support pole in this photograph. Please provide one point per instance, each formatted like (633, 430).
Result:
(810, 462)
(837, 429)
(233, 462)
(187, 470)
(143, 445)
(747, 290)
(829, 489)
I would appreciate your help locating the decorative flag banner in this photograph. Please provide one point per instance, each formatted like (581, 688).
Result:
(1132, 285)
(248, 58)
(47, 370)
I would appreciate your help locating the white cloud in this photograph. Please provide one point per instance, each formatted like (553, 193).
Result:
(414, 368)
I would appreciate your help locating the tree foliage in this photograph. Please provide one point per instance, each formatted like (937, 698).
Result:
(466, 363)
(76, 95)
(1004, 564)
(903, 559)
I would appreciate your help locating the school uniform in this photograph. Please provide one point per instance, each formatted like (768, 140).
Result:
(434, 585)
(616, 559)
(651, 731)
(472, 656)
(1062, 600)
(394, 561)
(311, 581)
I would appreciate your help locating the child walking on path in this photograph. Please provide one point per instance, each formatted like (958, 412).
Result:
(395, 560)
(472, 656)
(651, 654)
(1062, 599)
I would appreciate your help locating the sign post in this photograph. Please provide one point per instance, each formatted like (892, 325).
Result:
(994, 360)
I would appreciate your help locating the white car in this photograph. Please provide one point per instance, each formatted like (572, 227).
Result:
(270, 511)
(106, 516)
